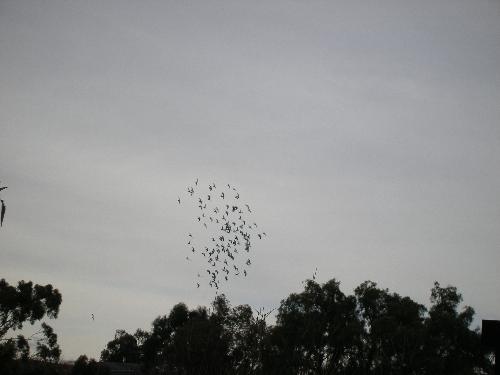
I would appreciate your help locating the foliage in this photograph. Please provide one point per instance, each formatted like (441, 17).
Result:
(19, 305)
(84, 366)
(122, 349)
(318, 331)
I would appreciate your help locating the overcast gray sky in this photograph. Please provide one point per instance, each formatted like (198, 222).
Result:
(366, 135)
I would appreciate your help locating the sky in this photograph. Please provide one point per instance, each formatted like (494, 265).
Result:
(365, 135)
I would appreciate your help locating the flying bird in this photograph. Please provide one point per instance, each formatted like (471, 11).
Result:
(93, 317)
(2, 215)
(233, 221)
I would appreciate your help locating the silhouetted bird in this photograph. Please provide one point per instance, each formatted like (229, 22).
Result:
(2, 214)
(93, 317)
(179, 200)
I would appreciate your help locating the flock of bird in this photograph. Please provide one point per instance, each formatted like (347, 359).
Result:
(226, 232)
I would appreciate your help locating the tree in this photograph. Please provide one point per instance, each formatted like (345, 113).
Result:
(450, 346)
(319, 330)
(393, 331)
(122, 349)
(22, 304)
(84, 366)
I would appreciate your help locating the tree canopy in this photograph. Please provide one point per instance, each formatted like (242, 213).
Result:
(320, 330)
(27, 303)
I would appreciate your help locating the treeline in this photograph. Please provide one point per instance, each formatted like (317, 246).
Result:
(318, 331)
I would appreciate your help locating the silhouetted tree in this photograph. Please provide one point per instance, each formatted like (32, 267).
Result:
(22, 304)
(123, 348)
(84, 366)
(318, 331)
(393, 331)
(450, 347)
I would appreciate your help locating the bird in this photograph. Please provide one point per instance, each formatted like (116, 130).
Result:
(225, 252)
(92, 316)
(2, 214)
(197, 285)
(179, 200)
(315, 273)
